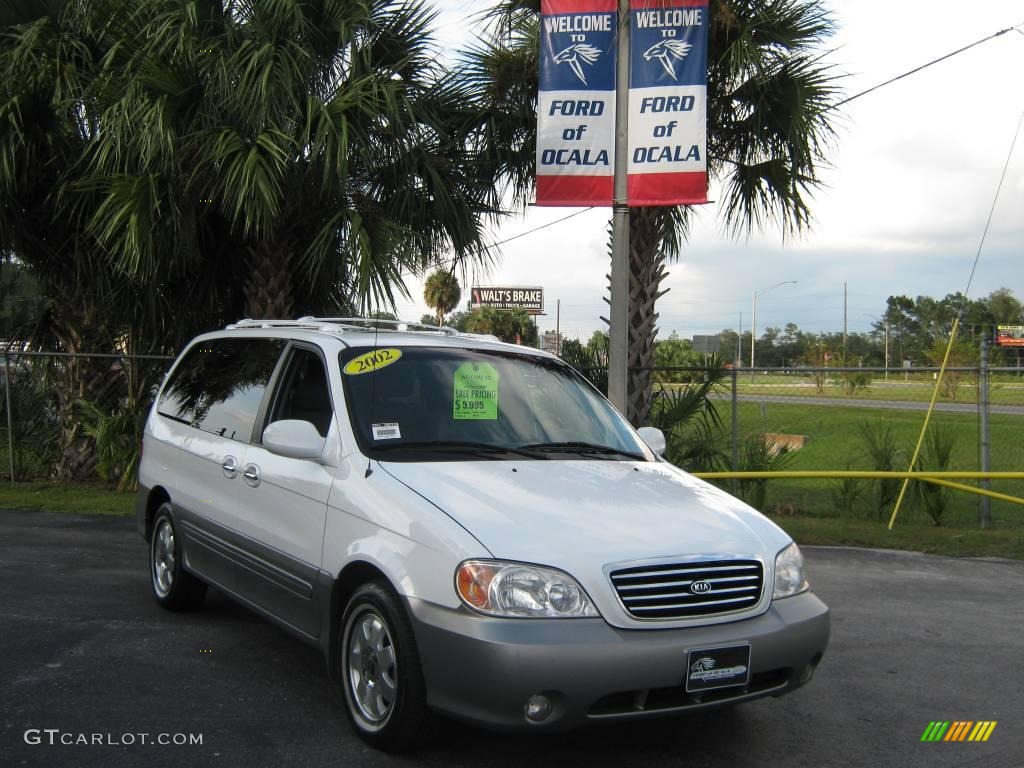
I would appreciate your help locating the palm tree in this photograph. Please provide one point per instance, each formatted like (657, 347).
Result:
(769, 105)
(315, 150)
(166, 167)
(442, 293)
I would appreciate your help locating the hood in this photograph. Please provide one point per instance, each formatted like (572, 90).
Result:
(590, 513)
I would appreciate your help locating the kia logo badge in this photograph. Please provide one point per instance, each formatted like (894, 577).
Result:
(700, 587)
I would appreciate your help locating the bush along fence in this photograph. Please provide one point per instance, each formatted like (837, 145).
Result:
(839, 440)
(76, 416)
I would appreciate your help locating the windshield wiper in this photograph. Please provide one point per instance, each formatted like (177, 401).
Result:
(574, 446)
(467, 446)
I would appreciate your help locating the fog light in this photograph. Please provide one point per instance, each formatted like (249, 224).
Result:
(538, 707)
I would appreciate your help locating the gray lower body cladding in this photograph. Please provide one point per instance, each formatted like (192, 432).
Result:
(483, 669)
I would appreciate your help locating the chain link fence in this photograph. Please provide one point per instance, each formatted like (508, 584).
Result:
(80, 416)
(855, 418)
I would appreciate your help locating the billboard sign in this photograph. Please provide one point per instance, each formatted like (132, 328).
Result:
(708, 345)
(1010, 335)
(530, 299)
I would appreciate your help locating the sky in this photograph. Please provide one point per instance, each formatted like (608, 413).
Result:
(911, 181)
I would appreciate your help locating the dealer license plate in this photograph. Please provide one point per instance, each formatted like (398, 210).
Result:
(710, 668)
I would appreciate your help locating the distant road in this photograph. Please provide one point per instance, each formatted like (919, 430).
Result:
(897, 405)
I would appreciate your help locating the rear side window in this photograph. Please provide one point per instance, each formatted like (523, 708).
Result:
(219, 385)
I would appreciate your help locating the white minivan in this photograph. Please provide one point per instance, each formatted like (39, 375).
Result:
(463, 526)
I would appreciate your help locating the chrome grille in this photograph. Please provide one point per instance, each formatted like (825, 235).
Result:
(667, 591)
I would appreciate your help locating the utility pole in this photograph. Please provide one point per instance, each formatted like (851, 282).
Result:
(887, 349)
(844, 323)
(618, 330)
(739, 344)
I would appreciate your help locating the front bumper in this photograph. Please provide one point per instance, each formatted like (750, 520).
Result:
(484, 669)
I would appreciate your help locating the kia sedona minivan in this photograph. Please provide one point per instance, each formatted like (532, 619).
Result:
(464, 527)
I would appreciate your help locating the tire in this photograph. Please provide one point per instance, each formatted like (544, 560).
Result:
(173, 587)
(381, 675)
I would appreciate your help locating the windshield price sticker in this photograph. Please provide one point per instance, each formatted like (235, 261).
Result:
(475, 392)
(372, 361)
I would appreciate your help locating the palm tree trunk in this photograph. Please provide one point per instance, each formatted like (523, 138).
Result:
(80, 379)
(269, 289)
(646, 272)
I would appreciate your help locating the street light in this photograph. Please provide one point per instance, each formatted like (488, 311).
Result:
(753, 318)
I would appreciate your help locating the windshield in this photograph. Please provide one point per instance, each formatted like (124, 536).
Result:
(443, 404)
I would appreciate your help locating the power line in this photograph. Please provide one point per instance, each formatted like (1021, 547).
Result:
(456, 259)
(992, 210)
(915, 70)
(536, 229)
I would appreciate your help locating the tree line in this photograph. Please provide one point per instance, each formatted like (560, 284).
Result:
(918, 331)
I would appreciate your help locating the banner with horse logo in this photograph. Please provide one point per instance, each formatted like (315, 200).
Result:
(576, 102)
(668, 77)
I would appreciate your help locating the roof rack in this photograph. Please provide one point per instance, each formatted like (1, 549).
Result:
(341, 324)
(364, 323)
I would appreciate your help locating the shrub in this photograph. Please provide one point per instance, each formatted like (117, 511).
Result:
(883, 453)
(847, 493)
(936, 456)
(759, 455)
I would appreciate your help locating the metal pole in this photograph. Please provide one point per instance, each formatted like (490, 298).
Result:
(844, 323)
(984, 437)
(887, 349)
(735, 430)
(10, 420)
(739, 343)
(558, 326)
(618, 331)
(753, 333)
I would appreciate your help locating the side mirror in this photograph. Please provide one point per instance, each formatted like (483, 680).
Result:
(654, 438)
(293, 438)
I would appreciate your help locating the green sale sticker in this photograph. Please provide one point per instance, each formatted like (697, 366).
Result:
(476, 392)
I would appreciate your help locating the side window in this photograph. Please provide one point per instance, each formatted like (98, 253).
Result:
(304, 392)
(219, 385)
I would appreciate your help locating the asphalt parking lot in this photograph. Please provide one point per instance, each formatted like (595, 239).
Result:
(85, 650)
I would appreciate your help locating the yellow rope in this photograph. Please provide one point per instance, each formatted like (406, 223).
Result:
(973, 489)
(927, 418)
(857, 474)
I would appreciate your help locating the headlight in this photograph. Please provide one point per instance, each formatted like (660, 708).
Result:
(513, 589)
(789, 573)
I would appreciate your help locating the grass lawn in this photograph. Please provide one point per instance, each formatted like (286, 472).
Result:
(82, 498)
(836, 443)
(1004, 389)
(915, 536)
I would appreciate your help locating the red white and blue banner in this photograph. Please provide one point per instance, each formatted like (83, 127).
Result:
(576, 102)
(667, 102)
(668, 85)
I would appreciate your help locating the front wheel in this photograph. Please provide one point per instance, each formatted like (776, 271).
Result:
(385, 695)
(173, 587)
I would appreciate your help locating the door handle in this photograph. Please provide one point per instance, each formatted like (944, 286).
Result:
(251, 475)
(229, 466)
